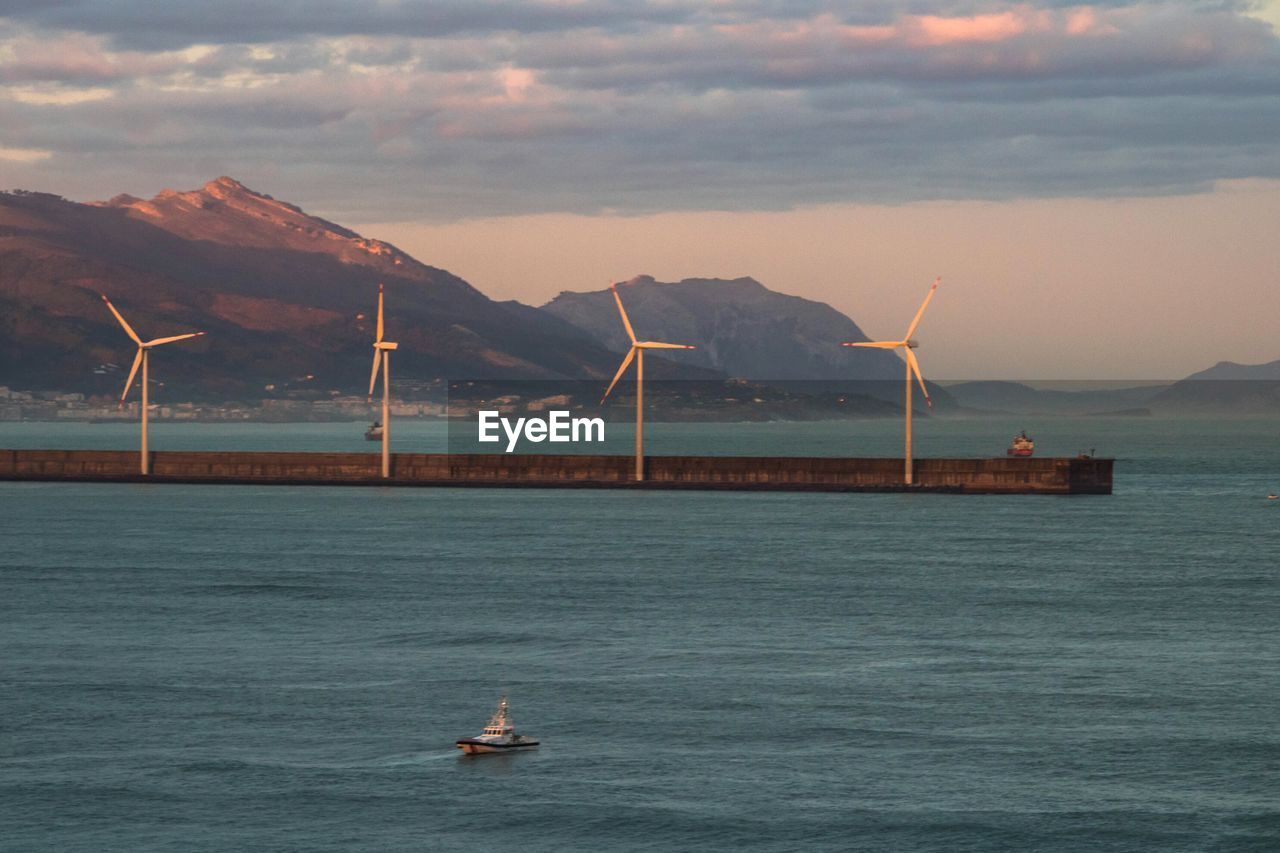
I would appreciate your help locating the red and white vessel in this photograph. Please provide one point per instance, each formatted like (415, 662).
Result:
(498, 736)
(1022, 445)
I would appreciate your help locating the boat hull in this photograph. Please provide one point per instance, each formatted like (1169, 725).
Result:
(479, 747)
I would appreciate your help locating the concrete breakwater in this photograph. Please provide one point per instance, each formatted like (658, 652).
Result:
(1048, 475)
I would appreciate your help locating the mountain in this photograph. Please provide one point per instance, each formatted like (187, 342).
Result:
(1019, 398)
(739, 326)
(1226, 387)
(284, 296)
(1230, 370)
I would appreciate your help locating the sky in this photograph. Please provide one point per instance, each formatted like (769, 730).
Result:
(1096, 183)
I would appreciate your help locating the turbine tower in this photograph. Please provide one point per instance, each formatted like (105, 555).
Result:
(382, 353)
(913, 366)
(636, 352)
(143, 358)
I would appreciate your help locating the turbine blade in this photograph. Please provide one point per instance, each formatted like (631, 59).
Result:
(631, 353)
(378, 339)
(158, 341)
(127, 328)
(133, 371)
(373, 376)
(623, 311)
(660, 345)
(915, 368)
(923, 305)
(876, 344)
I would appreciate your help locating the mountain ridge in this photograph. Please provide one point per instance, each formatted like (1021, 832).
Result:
(755, 333)
(223, 207)
(1227, 386)
(1234, 371)
(284, 295)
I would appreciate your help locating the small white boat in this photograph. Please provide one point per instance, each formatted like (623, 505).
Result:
(1273, 497)
(498, 736)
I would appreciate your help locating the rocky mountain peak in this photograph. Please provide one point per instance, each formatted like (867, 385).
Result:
(740, 327)
(746, 284)
(227, 183)
(226, 211)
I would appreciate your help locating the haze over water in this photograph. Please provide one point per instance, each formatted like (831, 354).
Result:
(233, 668)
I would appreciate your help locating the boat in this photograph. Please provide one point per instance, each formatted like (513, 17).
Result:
(499, 735)
(1022, 445)
(374, 432)
(1273, 497)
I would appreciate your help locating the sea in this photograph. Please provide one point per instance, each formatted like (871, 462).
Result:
(234, 668)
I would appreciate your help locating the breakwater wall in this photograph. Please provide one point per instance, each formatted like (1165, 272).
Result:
(762, 473)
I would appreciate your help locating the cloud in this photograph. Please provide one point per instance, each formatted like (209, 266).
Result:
(24, 155)
(452, 109)
(180, 23)
(934, 30)
(56, 95)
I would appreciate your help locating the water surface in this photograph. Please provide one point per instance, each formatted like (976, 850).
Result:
(227, 668)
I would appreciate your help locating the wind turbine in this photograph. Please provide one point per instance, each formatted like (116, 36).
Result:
(636, 352)
(382, 353)
(913, 366)
(143, 358)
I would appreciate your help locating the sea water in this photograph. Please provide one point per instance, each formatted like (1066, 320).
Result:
(228, 668)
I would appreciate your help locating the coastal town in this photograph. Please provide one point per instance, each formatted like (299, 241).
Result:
(66, 406)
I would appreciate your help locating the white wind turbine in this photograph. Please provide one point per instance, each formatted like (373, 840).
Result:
(382, 353)
(636, 352)
(913, 366)
(143, 358)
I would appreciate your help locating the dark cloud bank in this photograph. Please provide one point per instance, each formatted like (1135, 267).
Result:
(447, 109)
